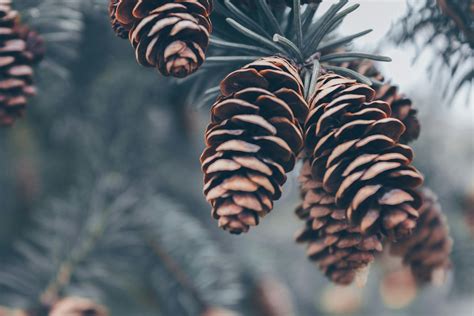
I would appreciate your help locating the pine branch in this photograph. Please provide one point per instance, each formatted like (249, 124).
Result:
(443, 26)
(61, 24)
(186, 261)
(72, 243)
(297, 35)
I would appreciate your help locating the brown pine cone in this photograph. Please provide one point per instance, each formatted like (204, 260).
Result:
(356, 154)
(120, 29)
(35, 46)
(172, 36)
(402, 107)
(16, 73)
(428, 249)
(76, 306)
(339, 247)
(252, 141)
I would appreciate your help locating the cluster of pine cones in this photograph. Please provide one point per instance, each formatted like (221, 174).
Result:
(358, 185)
(20, 49)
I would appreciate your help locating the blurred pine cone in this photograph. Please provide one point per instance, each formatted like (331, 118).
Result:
(20, 48)
(252, 141)
(172, 36)
(35, 46)
(121, 30)
(337, 246)
(76, 306)
(357, 156)
(402, 107)
(427, 251)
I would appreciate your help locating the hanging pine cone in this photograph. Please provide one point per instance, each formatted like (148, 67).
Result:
(252, 141)
(16, 58)
(339, 247)
(402, 107)
(357, 156)
(427, 250)
(76, 306)
(170, 35)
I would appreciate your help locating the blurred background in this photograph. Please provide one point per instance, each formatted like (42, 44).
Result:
(101, 188)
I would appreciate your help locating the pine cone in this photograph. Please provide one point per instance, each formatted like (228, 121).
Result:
(35, 46)
(172, 36)
(339, 247)
(356, 155)
(252, 141)
(120, 29)
(16, 73)
(427, 250)
(402, 107)
(76, 306)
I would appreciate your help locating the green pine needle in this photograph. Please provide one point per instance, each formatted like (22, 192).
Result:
(344, 40)
(238, 46)
(349, 73)
(230, 59)
(244, 19)
(338, 56)
(297, 22)
(314, 77)
(251, 34)
(270, 17)
(321, 27)
(290, 46)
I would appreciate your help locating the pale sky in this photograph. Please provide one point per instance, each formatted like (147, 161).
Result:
(379, 15)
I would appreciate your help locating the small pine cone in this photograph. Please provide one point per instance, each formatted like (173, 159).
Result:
(252, 141)
(76, 306)
(172, 36)
(35, 46)
(120, 29)
(402, 107)
(357, 156)
(16, 73)
(428, 249)
(339, 247)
